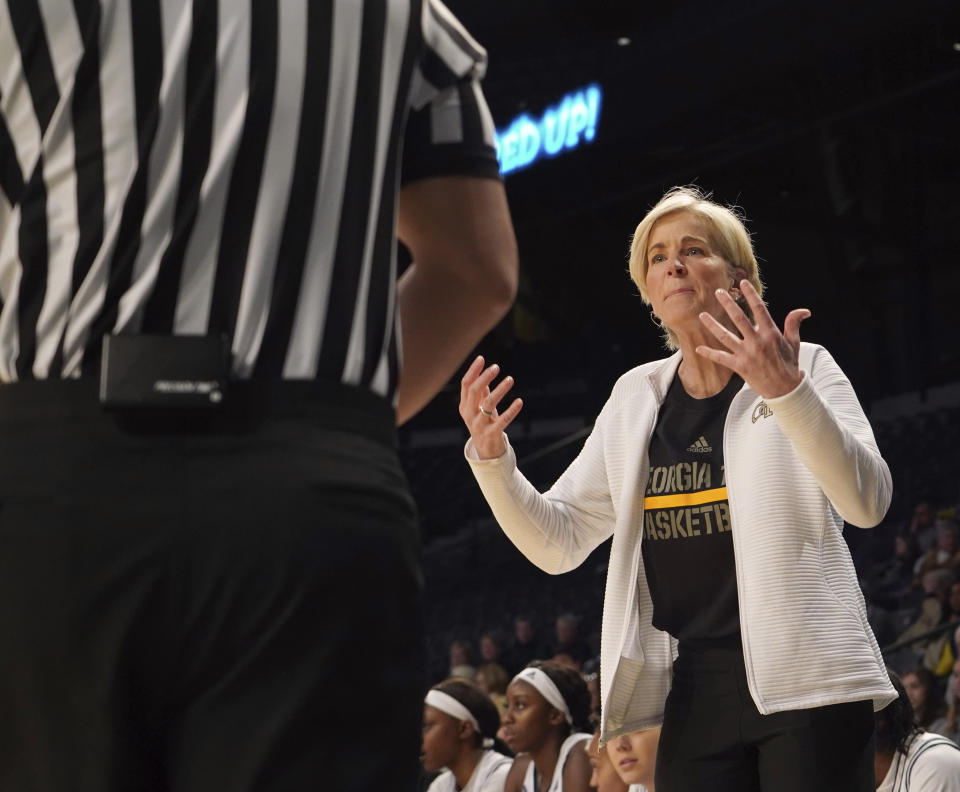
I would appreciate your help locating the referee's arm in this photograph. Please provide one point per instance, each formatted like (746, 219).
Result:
(462, 281)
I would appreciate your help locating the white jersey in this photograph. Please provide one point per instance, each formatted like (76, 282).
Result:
(931, 764)
(489, 775)
(556, 784)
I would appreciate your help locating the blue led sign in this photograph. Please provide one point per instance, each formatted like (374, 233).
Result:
(566, 125)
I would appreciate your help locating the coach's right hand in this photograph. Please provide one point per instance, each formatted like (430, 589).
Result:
(478, 408)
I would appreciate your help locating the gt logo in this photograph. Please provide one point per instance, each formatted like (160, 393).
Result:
(762, 410)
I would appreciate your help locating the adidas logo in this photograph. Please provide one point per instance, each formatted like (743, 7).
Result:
(700, 446)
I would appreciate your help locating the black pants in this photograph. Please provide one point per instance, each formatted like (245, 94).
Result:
(207, 604)
(714, 738)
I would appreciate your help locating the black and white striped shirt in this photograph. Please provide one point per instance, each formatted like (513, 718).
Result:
(194, 167)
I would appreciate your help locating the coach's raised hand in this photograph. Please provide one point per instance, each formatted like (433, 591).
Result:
(478, 408)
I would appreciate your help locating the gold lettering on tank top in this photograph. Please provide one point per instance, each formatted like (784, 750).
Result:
(682, 502)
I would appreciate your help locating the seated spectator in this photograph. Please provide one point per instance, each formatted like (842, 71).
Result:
(569, 641)
(461, 660)
(525, 646)
(906, 551)
(491, 647)
(944, 556)
(492, 679)
(603, 776)
(888, 582)
(459, 728)
(933, 612)
(922, 527)
(942, 652)
(928, 706)
(548, 709)
(634, 757)
(908, 759)
(888, 590)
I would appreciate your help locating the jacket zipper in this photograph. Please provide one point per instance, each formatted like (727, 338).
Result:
(638, 558)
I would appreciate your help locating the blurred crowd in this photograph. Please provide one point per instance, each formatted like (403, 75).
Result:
(910, 576)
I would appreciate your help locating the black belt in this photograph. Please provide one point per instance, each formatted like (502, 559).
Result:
(246, 405)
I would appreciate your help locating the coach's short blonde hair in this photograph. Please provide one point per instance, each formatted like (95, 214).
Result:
(728, 236)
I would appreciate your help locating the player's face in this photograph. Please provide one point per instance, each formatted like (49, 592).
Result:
(440, 745)
(526, 723)
(634, 755)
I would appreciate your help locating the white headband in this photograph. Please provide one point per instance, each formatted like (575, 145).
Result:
(448, 704)
(546, 687)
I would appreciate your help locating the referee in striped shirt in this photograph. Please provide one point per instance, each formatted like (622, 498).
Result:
(208, 554)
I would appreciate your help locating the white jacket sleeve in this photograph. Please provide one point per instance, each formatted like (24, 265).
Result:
(831, 434)
(558, 529)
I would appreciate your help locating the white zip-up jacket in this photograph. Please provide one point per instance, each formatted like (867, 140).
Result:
(796, 467)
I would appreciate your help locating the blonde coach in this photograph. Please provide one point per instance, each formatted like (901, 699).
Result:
(724, 474)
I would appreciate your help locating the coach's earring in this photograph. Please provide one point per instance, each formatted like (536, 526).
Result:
(656, 319)
(734, 294)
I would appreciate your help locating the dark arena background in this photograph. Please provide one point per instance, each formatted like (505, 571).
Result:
(833, 125)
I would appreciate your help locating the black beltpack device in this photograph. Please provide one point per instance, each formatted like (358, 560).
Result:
(164, 371)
